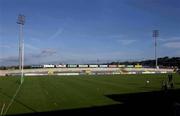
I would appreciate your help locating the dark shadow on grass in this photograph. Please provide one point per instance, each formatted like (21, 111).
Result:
(177, 83)
(157, 103)
(150, 103)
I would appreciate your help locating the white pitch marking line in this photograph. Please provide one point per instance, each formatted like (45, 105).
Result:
(2, 109)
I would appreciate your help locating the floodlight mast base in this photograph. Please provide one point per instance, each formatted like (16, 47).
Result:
(21, 21)
(155, 35)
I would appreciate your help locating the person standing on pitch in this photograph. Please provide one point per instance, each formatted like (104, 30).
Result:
(170, 81)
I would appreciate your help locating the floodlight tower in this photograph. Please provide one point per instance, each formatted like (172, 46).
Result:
(155, 35)
(21, 21)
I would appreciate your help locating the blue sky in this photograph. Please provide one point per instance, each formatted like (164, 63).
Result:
(82, 31)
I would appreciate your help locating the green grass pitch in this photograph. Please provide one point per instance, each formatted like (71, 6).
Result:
(51, 93)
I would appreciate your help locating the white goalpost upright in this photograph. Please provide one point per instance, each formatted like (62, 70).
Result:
(21, 21)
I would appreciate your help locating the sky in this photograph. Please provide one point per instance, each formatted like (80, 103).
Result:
(89, 31)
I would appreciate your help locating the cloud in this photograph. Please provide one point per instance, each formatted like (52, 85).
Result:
(4, 46)
(172, 44)
(45, 53)
(35, 39)
(102, 56)
(177, 53)
(170, 39)
(126, 42)
(56, 34)
(48, 52)
(31, 47)
(11, 60)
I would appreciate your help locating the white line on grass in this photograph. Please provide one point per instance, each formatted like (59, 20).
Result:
(2, 109)
(12, 100)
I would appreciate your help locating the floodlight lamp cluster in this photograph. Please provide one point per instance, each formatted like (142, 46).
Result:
(21, 19)
(155, 33)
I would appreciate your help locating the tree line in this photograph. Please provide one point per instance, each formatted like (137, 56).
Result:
(162, 62)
